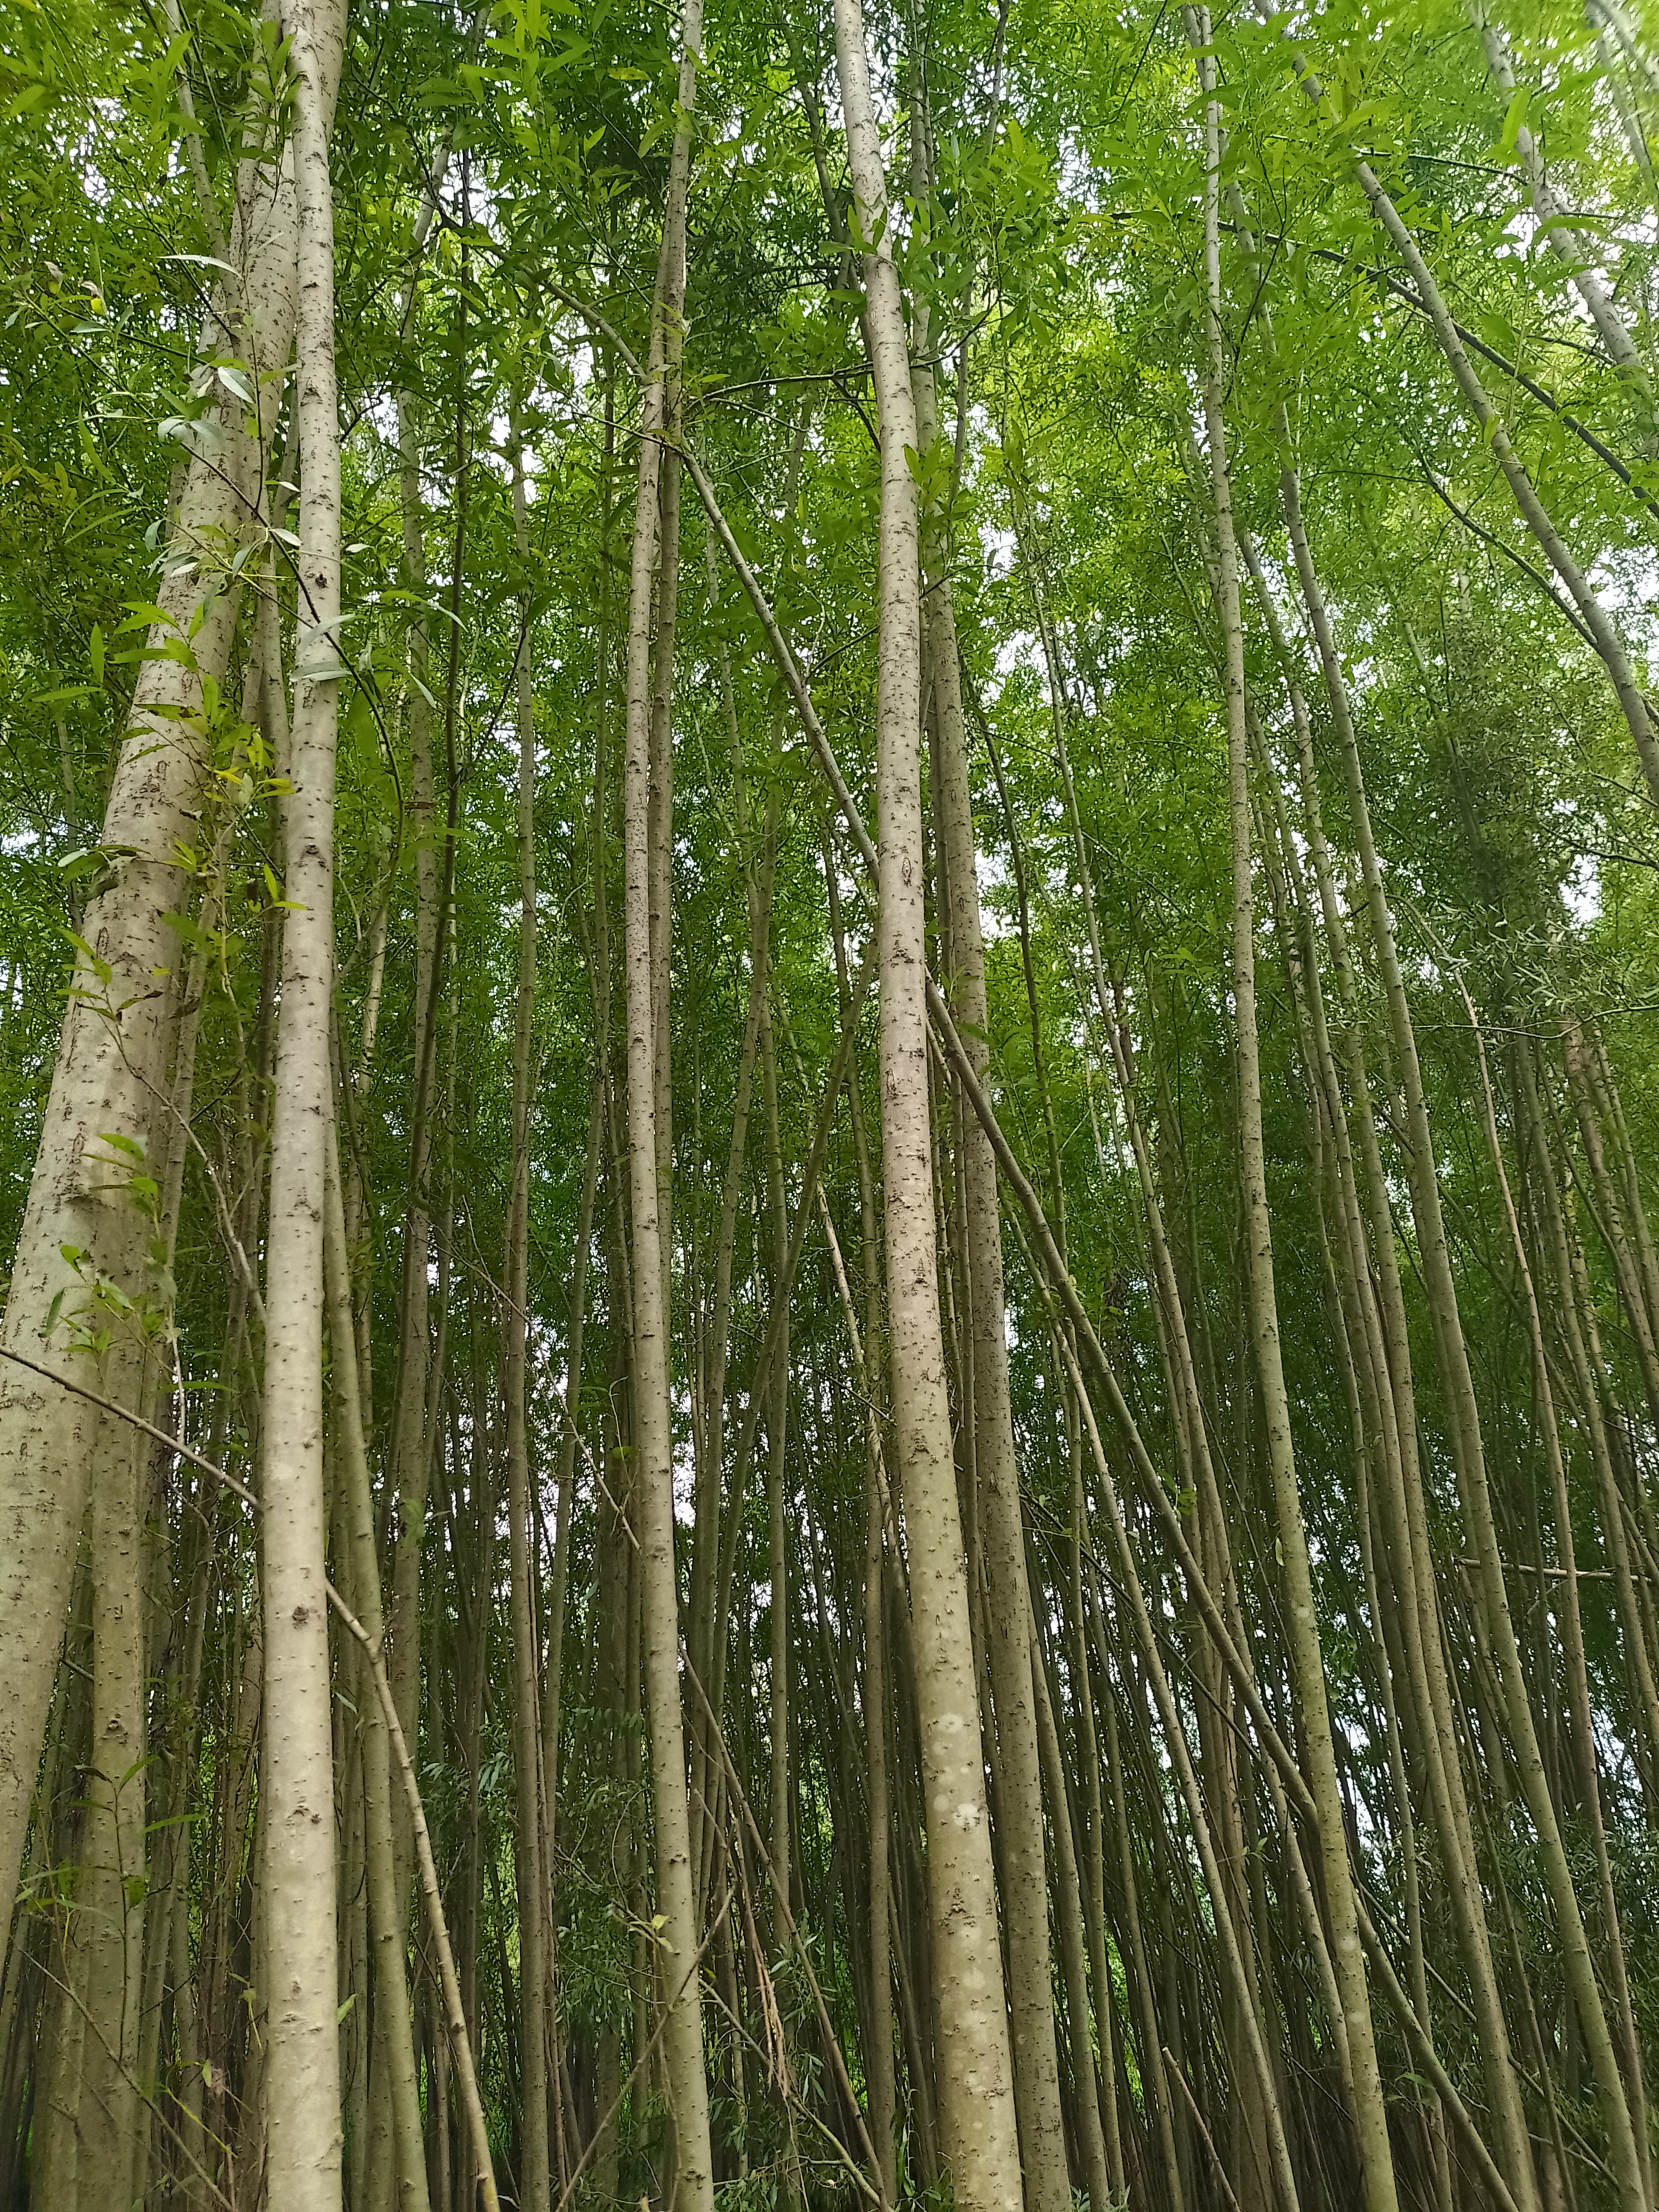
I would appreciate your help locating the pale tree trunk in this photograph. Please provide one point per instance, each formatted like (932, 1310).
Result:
(297, 1772)
(683, 2069)
(111, 1066)
(527, 1707)
(599, 984)
(1008, 1607)
(1073, 1945)
(867, 1368)
(777, 1417)
(975, 2071)
(404, 2180)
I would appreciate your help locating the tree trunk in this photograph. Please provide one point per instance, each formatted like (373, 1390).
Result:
(683, 2051)
(533, 2180)
(110, 1068)
(975, 2073)
(296, 1777)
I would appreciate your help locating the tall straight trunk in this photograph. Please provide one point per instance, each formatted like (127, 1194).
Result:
(110, 1066)
(1302, 1624)
(777, 1420)
(420, 1364)
(706, 1535)
(684, 2075)
(1092, 1819)
(866, 1373)
(975, 2083)
(996, 1488)
(1073, 1944)
(1370, 1401)
(406, 2180)
(296, 1773)
(599, 989)
(660, 819)
(534, 2180)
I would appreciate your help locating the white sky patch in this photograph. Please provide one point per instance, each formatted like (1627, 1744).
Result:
(994, 876)
(1582, 892)
(1021, 650)
(1000, 548)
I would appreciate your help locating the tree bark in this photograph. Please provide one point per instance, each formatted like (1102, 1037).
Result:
(683, 2069)
(110, 1068)
(296, 1773)
(534, 2178)
(975, 2071)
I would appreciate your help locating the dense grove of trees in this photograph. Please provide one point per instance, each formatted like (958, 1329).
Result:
(831, 1113)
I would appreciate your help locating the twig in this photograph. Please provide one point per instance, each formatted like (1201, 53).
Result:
(831, 2038)
(1186, 2092)
(643, 2059)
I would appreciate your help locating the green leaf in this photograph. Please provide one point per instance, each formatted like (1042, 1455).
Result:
(1514, 116)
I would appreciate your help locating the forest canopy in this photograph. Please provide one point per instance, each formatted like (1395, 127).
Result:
(827, 1105)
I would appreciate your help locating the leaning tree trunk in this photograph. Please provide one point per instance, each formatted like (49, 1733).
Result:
(112, 1058)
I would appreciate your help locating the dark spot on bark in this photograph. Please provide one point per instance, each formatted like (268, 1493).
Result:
(301, 1614)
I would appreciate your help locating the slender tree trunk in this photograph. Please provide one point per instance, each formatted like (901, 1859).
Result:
(996, 1488)
(683, 2051)
(975, 2072)
(533, 2182)
(1068, 1912)
(777, 1418)
(394, 2028)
